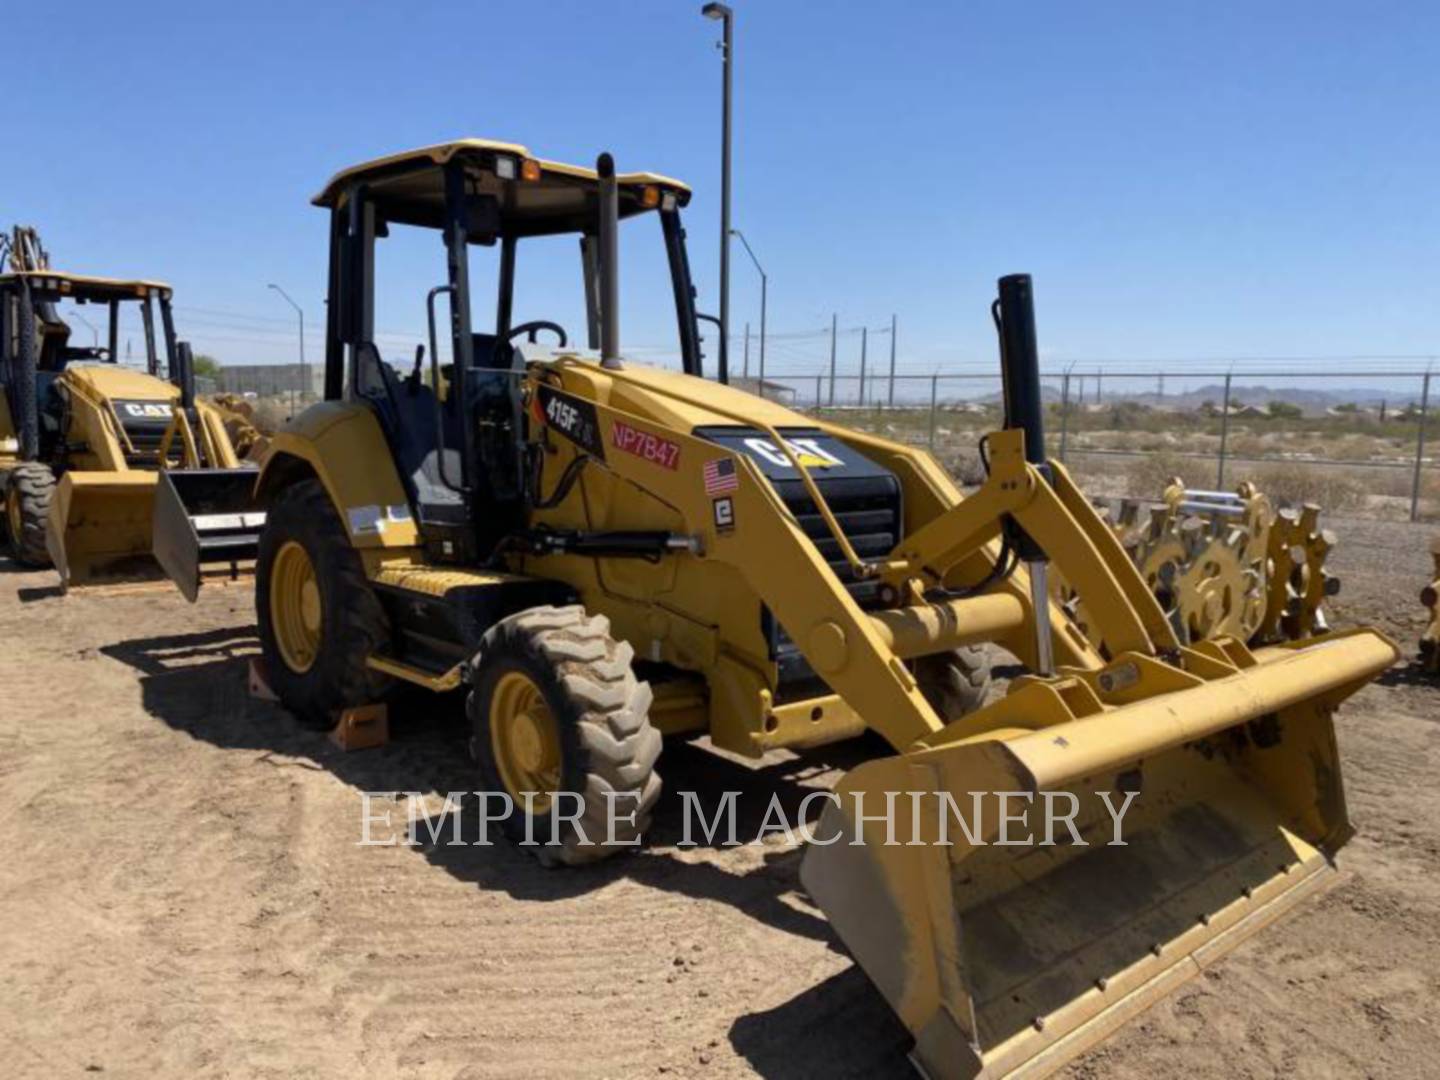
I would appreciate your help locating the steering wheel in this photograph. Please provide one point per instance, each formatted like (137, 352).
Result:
(536, 325)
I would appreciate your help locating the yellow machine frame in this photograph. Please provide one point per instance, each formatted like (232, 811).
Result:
(99, 520)
(999, 961)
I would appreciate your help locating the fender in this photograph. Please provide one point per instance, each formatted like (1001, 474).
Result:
(341, 443)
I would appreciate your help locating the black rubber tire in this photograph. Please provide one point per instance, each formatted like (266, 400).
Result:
(603, 714)
(339, 678)
(33, 484)
(955, 683)
(24, 403)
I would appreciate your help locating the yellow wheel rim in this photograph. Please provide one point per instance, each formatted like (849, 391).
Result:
(295, 611)
(524, 740)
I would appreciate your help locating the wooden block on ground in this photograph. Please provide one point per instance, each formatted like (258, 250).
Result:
(362, 727)
(259, 684)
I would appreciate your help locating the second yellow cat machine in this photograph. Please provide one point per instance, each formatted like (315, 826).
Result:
(85, 439)
(605, 553)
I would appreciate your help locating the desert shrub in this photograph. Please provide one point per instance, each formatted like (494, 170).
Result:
(1292, 484)
(1148, 476)
(964, 465)
(269, 415)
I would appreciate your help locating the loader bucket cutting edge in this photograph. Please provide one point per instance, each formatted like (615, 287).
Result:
(1010, 960)
(207, 521)
(99, 526)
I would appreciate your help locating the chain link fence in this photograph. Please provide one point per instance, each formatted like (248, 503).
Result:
(1347, 439)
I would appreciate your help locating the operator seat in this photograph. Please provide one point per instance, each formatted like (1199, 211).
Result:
(54, 337)
(407, 412)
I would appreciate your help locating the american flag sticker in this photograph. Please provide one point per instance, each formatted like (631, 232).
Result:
(720, 476)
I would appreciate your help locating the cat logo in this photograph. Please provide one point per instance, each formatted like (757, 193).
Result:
(808, 452)
(145, 410)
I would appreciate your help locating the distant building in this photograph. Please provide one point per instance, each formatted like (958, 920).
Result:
(775, 391)
(1237, 410)
(269, 380)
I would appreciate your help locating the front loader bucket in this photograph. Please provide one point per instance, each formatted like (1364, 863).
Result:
(1006, 957)
(99, 527)
(207, 522)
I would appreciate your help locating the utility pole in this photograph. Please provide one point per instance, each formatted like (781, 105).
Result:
(94, 333)
(747, 351)
(764, 290)
(304, 371)
(1420, 448)
(864, 342)
(833, 320)
(892, 360)
(727, 17)
(1224, 430)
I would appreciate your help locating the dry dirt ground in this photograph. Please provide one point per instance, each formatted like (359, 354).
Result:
(182, 895)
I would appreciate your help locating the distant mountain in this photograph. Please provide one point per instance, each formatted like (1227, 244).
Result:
(1309, 399)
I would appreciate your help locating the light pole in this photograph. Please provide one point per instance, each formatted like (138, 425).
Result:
(764, 288)
(721, 12)
(304, 371)
(94, 334)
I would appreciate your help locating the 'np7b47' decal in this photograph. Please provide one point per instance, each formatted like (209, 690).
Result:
(642, 444)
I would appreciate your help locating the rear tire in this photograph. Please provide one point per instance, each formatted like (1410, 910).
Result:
(955, 683)
(319, 619)
(595, 741)
(26, 378)
(28, 490)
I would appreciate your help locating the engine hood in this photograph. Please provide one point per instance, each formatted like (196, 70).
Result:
(672, 398)
(112, 382)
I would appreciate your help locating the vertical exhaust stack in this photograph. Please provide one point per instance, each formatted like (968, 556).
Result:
(185, 376)
(1020, 363)
(1014, 313)
(609, 258)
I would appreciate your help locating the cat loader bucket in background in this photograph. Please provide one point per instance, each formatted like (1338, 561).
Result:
(981, 878)
(206, 524)
(98, 528)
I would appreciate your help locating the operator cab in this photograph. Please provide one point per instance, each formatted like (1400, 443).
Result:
(452, 414)
(50, 289)
(50, 296)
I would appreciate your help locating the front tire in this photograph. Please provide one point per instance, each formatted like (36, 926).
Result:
(556, 708)
(319, 619)
(955, 683)
(28, 490)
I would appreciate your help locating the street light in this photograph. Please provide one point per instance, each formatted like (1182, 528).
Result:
(94, 334)
(721, 12)
(304, 371)
(764, 288)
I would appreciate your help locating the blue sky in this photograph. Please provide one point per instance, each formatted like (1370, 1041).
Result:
(1184, 180)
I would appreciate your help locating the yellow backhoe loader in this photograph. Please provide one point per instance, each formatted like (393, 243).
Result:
(85, 440)
(606, 553)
